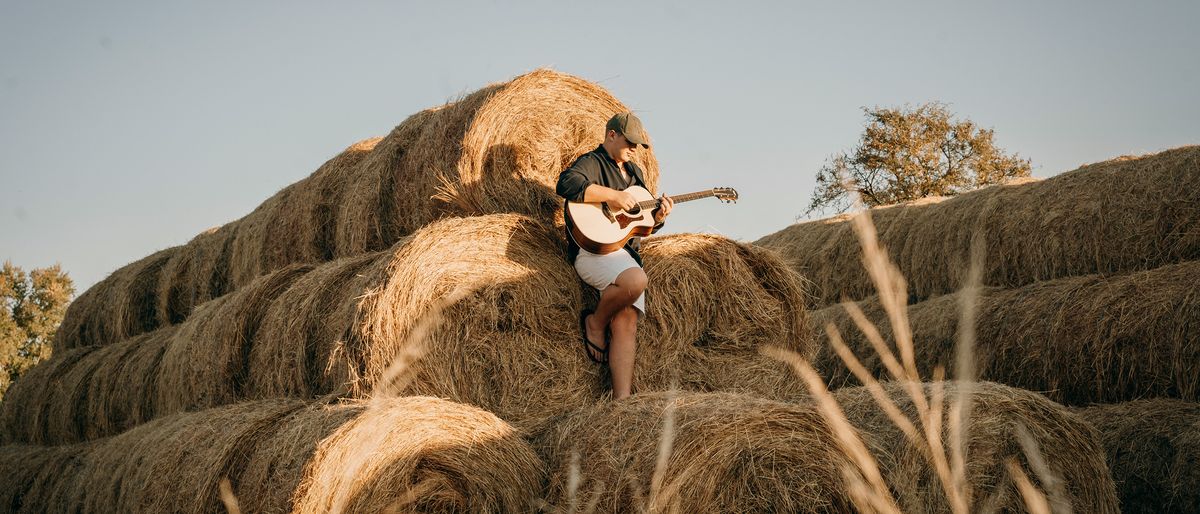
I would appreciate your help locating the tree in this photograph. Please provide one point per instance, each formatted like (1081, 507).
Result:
(31, 307)
(907, 154)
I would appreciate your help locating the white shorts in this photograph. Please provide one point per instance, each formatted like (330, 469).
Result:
(600, 271)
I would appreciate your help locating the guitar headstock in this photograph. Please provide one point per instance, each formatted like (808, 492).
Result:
(725, 194)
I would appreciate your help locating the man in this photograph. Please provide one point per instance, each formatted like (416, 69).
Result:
(601, 176)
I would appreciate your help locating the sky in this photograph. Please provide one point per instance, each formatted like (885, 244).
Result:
(128, 127)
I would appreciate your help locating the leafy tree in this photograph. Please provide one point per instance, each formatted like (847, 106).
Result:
(906, 154)
(31, 307)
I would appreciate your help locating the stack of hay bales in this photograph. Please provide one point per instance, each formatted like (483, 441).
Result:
(735, 453)
(404, 454)
(1153, 449)
(1088, 297)
(497, 150)
(296, 353)
(507, 340)
(1080, 340)
(1121, 215)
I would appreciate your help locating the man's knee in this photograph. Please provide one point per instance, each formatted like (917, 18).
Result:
(625, 320)
(632, 280)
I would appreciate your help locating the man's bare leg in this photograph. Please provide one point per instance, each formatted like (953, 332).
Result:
(615, 300)
(620, 355)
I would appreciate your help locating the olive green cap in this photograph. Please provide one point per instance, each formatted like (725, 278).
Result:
(630, 126)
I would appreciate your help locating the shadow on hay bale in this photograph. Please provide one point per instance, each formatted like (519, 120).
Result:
(1079, 340)
(483, 309)
(497, 150)
(1153, 449)
(281, 456)
(737, 453)
(1124, 214)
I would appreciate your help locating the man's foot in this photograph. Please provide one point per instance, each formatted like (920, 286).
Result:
(595, 339)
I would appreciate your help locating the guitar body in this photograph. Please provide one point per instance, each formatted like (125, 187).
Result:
(599, 230)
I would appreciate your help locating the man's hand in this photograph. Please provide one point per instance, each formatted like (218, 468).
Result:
(621, 200)
(664, 209)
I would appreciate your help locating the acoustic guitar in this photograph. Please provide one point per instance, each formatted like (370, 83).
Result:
(600, 230)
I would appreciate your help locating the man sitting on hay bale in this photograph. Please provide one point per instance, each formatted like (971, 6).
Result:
(601, 176)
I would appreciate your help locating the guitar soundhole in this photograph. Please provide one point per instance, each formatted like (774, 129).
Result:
(636, 209)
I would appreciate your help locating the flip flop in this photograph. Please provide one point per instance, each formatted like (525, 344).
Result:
(589, 346)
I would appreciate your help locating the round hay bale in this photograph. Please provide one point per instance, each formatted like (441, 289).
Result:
(497, 150)
(729, 453)
(1153, 448)
(1114, 216)
(198, 272)
(1079, 340)
(32, 478)
(206, 363)
(419, 454)
(291, 456)
(507, 339)
(120, 306)
(86, 393)
(1070, 447)
(176, 463)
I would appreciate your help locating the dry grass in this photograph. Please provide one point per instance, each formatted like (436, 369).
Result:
(414, 454)
(86, 393)
(934, 426)
(286, 456)
(1080, 340)
(508, 340)
(1153, 447)
(498, 150)
(728, 453)
(1115, 216)
(118, 307)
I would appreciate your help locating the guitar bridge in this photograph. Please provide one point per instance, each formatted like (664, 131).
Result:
(604, 209)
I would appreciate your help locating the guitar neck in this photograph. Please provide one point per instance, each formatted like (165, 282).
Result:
(686, 197)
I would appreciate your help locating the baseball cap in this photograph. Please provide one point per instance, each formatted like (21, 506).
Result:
(628, 125)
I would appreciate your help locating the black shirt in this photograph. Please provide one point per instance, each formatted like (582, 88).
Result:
(597, 167)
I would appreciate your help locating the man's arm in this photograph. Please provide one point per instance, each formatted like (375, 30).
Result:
(580, 183)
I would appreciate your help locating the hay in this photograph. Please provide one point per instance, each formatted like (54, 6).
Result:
(410, 454)
(738, 453)
(120, 306)
(175, 464)
(205, 365)
(33, 478)
(1153, 448)
(1115, 216)
(729, 453)
(198, 272)
(86, 393)
(420, 454)
(1071, 448)
(1079, 340)
(507, 340)
(497, 150)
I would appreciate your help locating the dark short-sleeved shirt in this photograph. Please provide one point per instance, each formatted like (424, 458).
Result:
(597, 167)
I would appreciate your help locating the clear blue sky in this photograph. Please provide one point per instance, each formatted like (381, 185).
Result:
(127, 127)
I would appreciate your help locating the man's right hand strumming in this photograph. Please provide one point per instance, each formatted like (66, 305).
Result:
(616, 200)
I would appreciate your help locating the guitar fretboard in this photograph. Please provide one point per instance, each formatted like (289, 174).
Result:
(686, 197)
